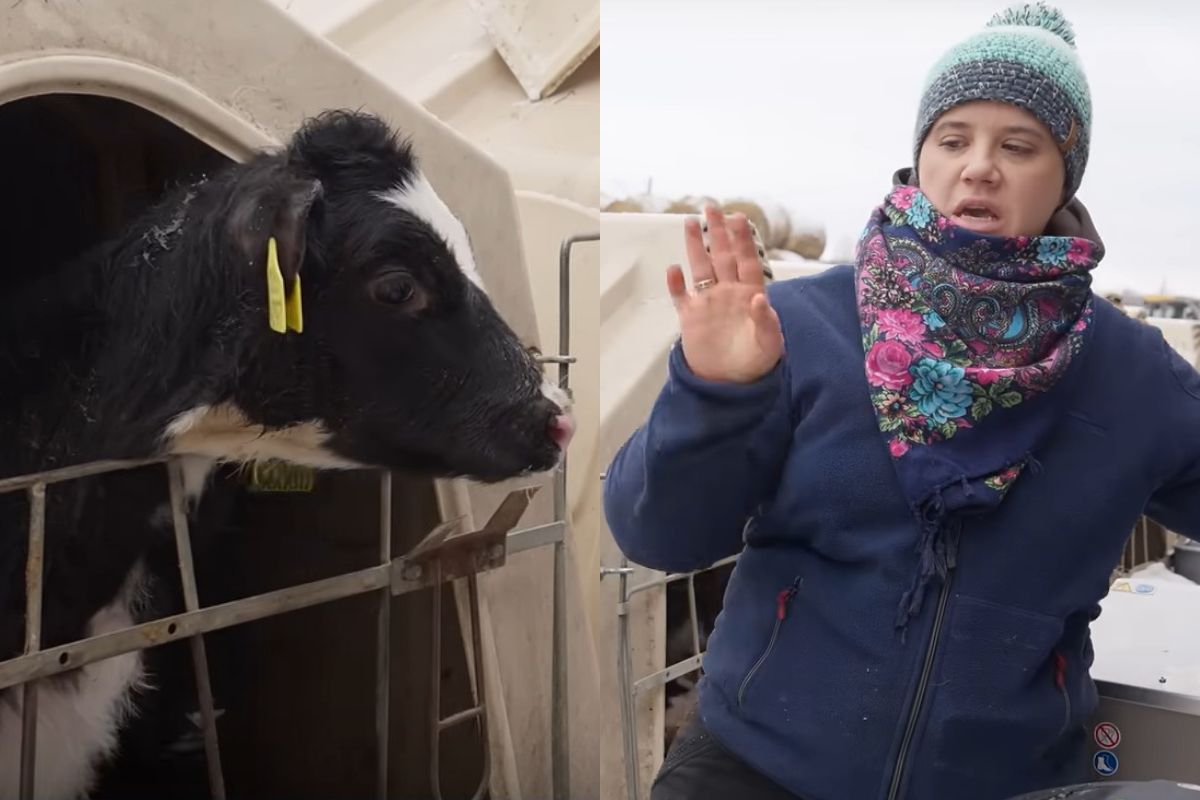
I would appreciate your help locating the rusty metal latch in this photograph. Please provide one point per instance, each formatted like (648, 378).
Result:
(464, 554)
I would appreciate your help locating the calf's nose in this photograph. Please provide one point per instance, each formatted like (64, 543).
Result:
(562, 429)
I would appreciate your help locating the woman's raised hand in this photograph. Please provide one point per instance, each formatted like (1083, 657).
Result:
(729, 330)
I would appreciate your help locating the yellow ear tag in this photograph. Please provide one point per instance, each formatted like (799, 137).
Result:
(295, 309)
(276, 312)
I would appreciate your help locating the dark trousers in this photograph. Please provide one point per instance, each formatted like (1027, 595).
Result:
(697, 767)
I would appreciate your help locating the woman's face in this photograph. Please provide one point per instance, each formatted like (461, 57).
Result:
(992, 168)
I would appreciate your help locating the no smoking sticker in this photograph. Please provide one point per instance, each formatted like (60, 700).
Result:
(1107, 735)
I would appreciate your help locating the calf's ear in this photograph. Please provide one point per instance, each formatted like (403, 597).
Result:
(282, 206)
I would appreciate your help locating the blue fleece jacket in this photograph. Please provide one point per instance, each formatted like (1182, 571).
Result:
(806, 678)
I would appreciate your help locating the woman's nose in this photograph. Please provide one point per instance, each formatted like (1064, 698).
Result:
(980, 166)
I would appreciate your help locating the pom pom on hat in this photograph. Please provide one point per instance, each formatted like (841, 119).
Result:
(1038, 15)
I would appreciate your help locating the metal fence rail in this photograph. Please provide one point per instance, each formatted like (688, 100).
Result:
(559, 712)
(391, 577)
(631, 689)
(437, 560)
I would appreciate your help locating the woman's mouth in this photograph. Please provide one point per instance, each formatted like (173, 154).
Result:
(976, 215)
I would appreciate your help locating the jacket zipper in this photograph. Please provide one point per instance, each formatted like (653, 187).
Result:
(1060, 680)
(922, 687)
(782, 601)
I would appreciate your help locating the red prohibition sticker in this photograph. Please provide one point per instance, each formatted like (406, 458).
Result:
(1107, 735)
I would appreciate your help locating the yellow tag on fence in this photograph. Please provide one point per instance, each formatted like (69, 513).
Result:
(281, 476)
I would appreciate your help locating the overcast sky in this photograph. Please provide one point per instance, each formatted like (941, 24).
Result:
(812, 103)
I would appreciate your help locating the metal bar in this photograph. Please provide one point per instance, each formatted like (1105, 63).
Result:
(559, 698)
(383, 645)
(624, 681)
(29, 711)
(678, 576)
(477, 712)
(664, 676)
(564, 291)
(71, 473)
(480, 686)
(559, 671)
(435, 686)
(692, 613)
(212, 752)
(55, 660)
(532, 538)
(557, 360)
(460, 717)
(191, 601)
(34, 573)
(34, 567)
(559, 776)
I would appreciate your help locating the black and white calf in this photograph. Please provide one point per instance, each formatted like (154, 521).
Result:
(158, 342)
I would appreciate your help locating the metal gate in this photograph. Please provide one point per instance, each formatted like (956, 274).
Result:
(439, 558)
(632, 689)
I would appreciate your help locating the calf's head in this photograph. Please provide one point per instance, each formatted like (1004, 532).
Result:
(402, 360)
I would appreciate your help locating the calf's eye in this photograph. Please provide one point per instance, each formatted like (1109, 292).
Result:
(395, 289)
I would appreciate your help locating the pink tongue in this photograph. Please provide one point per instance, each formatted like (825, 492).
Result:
(562, 428)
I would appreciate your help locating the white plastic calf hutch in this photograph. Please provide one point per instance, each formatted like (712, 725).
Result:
(101, 107)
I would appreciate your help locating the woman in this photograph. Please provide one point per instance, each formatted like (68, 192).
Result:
(932, 459)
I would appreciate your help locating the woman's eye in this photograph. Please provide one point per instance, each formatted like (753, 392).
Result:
(1019, 149)
(952, 144)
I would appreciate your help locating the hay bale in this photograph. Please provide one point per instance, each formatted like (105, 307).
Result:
(779, 222)
(690, 204)
(623, 205)
(807, 237)
(637, 204)
(808, 245)
(754, 212)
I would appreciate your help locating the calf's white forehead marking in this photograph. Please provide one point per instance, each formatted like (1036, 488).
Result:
(418, 198)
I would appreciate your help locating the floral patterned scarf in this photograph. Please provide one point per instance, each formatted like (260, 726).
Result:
(969, 342)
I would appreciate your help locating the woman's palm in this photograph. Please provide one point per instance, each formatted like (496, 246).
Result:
(729, 331)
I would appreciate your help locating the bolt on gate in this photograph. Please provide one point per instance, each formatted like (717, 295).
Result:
(439, 558)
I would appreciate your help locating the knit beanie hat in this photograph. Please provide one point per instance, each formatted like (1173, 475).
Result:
(1025, 56)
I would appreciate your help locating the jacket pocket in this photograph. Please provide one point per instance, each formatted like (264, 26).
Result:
(998, 696)
(782, 602)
